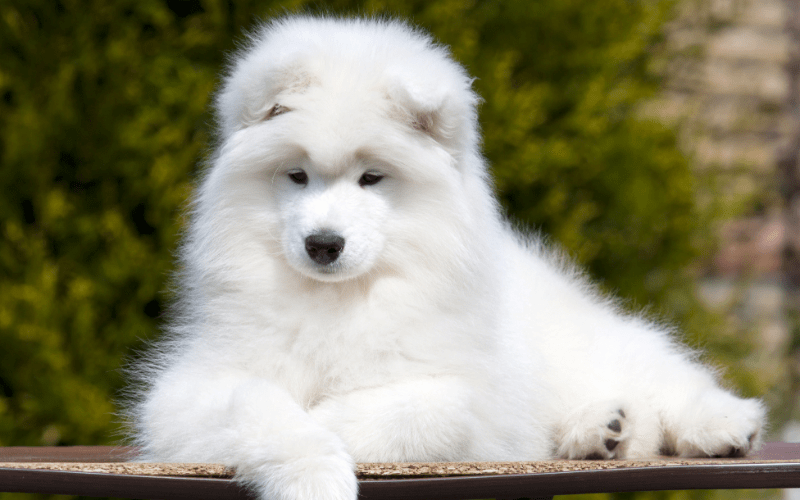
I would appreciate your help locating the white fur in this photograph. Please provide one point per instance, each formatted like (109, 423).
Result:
(438, 334)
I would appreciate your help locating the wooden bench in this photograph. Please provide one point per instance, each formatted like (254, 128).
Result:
(107, 471)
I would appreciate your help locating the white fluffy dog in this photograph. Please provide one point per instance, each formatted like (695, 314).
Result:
(350, 292)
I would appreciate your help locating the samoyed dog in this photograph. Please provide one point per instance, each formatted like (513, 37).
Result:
(349, 292)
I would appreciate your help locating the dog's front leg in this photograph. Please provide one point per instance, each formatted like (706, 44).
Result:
(251, 424)
(421, 419)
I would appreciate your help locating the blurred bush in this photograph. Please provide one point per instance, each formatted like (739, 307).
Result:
(104, 120)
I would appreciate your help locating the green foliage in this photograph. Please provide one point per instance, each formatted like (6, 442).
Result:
(570, 153)
(103, 121)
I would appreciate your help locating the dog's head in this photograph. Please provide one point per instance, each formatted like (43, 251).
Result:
(429, 91)
(341, 139)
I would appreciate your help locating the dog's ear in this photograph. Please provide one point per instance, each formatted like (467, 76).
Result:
(251, 92)
(438, 109)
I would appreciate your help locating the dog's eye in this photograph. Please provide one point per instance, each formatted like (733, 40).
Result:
(370, 179)
(299, 177)
(276, 110)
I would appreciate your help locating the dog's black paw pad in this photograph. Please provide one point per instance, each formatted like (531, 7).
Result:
(596, 432)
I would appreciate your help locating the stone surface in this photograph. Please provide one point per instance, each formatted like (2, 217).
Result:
(386, 470)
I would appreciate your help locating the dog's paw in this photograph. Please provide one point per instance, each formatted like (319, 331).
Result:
(328, 477)
(720, 427)
(595, 432)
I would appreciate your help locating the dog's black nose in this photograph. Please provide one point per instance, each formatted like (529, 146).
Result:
(324, 247)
